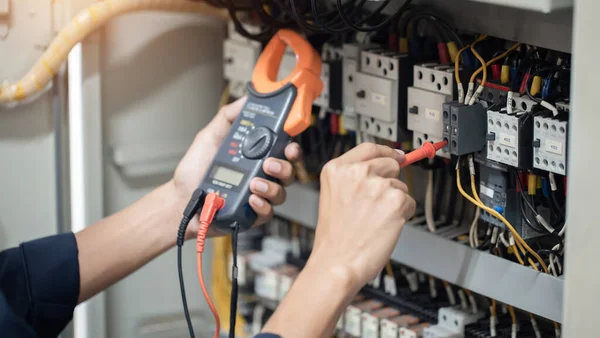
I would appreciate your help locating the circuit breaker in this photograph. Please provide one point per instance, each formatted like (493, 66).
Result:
(350, 66)
(331, 76)
(381, 92)
(550, 144)
(509, 139)
(433, 86)
(498, 192)
(464, 127)
(239, 57)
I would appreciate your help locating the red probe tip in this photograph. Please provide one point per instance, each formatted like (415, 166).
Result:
(427, 150)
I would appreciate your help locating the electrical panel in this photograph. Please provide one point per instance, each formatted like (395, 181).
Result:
(510, 138)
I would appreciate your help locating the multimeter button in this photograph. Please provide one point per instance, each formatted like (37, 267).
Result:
(257, 143)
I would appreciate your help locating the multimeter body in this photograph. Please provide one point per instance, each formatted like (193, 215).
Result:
(255, 135)
(274, 112)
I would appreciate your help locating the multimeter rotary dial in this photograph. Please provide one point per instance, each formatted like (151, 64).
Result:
(257, 143)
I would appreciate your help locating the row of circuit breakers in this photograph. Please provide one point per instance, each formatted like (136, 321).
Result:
(382, 94)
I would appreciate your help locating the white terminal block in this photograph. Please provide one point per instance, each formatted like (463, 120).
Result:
(435, 77)
(349, 69)
(550, 144)
(239, 59)
(505, 147)
(371, 321)
(451, 323)
(323, 99)
(354, 313)
(234, 35)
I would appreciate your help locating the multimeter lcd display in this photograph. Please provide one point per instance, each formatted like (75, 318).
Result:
(227, 175)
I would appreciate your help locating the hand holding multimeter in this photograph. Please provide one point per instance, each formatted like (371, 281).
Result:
(273, 112)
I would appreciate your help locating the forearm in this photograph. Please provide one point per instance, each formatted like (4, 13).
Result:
(314, 303)
(120, 244)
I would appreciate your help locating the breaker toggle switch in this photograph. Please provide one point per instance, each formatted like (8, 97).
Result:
(536, 143)
(490, 136)
(361, 94)
(413, 110)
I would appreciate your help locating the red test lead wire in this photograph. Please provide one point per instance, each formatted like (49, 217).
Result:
(212, 204)
(428, 150)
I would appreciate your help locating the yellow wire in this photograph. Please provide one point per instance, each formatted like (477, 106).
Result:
(389, 270)
(492, 61)
(513, 316)
(519, 241)
(481, 60)
(493, 309)
(457, 62)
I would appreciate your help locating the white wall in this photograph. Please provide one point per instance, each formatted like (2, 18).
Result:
(161, 82)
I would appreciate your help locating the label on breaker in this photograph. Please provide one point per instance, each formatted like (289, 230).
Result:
(353, 321)
(378, 98)
(370, 326)
(508, 140)
(389, 329)
(483, 190)
(554, 147)
(432, 114)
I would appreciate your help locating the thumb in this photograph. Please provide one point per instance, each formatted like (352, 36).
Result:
(218, 128)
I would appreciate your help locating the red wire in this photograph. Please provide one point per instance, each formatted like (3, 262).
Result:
(207, 296)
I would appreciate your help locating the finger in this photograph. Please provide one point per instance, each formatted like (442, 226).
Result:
(293, 152)
(369, 151)
(264, 210)
(268, 190)
(384, 166)
(397, 184)
(280, 169)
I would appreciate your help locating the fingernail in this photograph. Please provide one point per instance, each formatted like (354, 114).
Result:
(257, 202)
(274, 167)
(260, 186)
(400, 153)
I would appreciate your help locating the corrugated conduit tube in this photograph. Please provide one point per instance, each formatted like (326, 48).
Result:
(84, 23)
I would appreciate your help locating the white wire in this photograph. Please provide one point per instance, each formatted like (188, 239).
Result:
(429, 219)
(473, 229)
(562, 231)
(504, 240)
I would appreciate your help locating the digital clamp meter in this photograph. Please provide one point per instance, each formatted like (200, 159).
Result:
(274, 112)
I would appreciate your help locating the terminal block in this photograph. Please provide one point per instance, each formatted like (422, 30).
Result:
(451, 323)
(350, 66)
(550, 144)
(435, 78)
(497, 191)
(519, 103)
(239, 57)
(331, 75)
(381, 93)
(464, 127)
(510, 138)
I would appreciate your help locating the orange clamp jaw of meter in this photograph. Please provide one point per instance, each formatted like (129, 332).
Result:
(306, 76)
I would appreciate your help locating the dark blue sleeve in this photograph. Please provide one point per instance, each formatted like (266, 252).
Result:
(39, 286)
